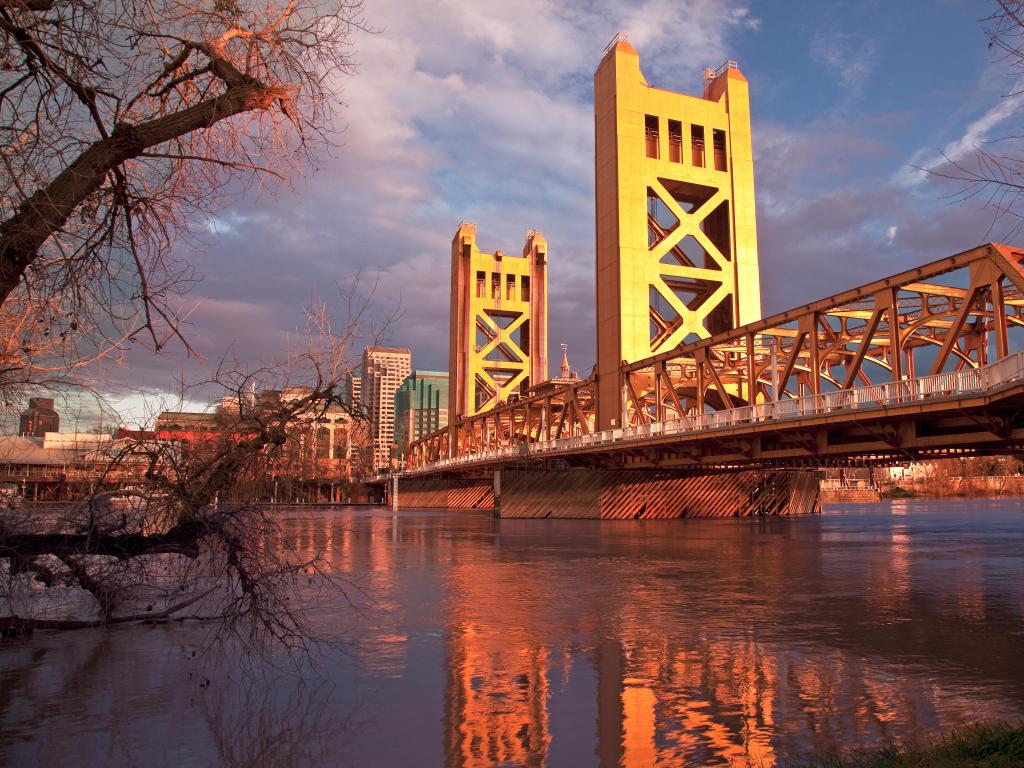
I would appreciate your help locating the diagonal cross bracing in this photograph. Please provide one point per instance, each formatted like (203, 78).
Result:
(959, 314)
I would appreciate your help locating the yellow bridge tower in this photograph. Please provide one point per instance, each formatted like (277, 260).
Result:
(676, 235)
(499, 325)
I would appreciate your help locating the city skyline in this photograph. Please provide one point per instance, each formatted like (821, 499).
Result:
(505, 139)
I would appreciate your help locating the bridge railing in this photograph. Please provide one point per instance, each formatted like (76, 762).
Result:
(943, 385)
(19, 473)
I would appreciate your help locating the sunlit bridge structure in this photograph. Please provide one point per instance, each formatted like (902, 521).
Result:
(698, 406)
(676, 236)
(499, 339)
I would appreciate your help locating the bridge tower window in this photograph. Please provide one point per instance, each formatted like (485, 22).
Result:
(697, 144)
(675, 141)
(718, 139)
(651, 135)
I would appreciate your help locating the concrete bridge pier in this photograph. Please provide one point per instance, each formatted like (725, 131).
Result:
(497, 492)
(444, 492)
(392, 492)
(621, 494)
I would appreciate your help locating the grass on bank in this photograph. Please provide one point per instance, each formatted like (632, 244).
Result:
(985, 745)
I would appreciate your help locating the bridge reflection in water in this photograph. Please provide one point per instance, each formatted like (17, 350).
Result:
(696, 643)
(471, 642)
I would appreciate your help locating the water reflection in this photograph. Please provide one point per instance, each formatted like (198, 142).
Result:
(731, 644)
(496, 700)
(254, 724)
(478, 642)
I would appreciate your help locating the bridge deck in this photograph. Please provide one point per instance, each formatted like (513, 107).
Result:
(963, 411)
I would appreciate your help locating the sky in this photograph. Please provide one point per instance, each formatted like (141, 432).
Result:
(483, 111)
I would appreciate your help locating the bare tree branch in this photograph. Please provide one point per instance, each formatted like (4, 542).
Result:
(994, 179)
(194, 527)
(122, 124)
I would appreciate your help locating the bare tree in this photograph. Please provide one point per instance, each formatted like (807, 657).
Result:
(193, 543)
(122, 122)
(994, 173)
(34, 355)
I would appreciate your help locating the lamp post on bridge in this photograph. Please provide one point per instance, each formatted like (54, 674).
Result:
(775, 368)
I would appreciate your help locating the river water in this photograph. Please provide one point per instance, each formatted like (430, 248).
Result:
(468, 641)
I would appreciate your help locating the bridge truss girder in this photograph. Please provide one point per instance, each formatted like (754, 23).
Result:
(957, 313)
(559, 412)
(946, 316)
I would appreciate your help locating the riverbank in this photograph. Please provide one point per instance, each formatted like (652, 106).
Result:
(986, 745)
(957, 488)
(868, 493)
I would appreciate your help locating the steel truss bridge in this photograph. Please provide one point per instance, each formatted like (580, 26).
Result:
(923, 364)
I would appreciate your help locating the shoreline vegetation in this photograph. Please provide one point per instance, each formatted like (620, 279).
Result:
(975, 477)
(967, 491)
(983, 745)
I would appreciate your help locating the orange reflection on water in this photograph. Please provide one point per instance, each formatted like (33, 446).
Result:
(890, 573)
(714, 704)
(497, 701)
(721, 649)
(638, 725)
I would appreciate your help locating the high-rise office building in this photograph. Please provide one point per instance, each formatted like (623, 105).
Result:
(384, 370)
(421, 406)
(352, 395)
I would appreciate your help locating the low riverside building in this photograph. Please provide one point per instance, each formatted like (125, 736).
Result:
(327, 450)
(188, 426)
(27, 456)
(60, 464)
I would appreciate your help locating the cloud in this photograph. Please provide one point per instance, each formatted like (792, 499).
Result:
(794, 163)
(459, 110)
(138, 410)
(850, 56)
(825, 225)
(978, 132)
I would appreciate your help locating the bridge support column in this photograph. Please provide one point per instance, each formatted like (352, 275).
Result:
(447, 493)
(497, 492)
(636, 494)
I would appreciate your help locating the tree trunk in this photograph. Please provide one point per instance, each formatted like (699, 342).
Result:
(182, 539)
(46, 211)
